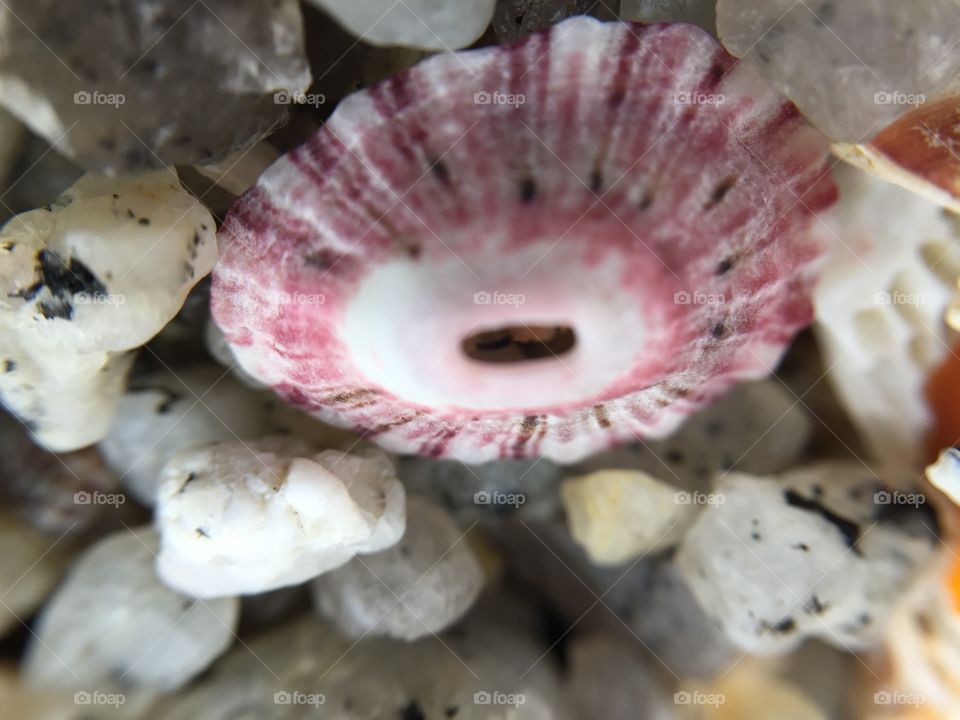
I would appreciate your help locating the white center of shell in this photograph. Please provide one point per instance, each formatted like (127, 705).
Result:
(405, 329)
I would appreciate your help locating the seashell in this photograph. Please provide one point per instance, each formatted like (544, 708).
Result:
(541, 249)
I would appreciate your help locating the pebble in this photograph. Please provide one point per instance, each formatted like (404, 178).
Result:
(420, 586)
(609, 678)
(489, 492)
(619, 515)
(165, 413)
(670, 623)
(751, 691)
(33, 563)
(850, 67)
(88, 280)
(112, 623)
(880, 304)
(822, 551)
(427, 24)
(759, 427)
(513, 19)
(699, 12)
(246, 517)
(139, 100)
(55, 493)
(478, 672)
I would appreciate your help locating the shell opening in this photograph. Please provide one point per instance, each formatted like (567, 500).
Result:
(519, 343)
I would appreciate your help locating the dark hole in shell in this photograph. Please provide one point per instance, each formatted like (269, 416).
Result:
(517, 343)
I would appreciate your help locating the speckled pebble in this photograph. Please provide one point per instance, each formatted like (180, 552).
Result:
(822, 551)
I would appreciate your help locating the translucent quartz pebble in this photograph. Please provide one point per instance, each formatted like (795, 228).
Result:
(850, 67)
(246, 517)
(669, 621)
(165, 413)
(886, 285)
(479, 672)
(488, 492)
(618, 515)
(112, 622)
(420, 586)
(428, 24)
(698, 12)
(123, 86)
(84, 282)
(822, 551)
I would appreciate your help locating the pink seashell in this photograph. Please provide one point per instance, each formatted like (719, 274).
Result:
(624, 200)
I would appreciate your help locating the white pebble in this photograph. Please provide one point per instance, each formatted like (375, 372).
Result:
(166, 413)
(242, 518)
(428, 24)
(820, 552)
(113, 623)
(83, 283)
